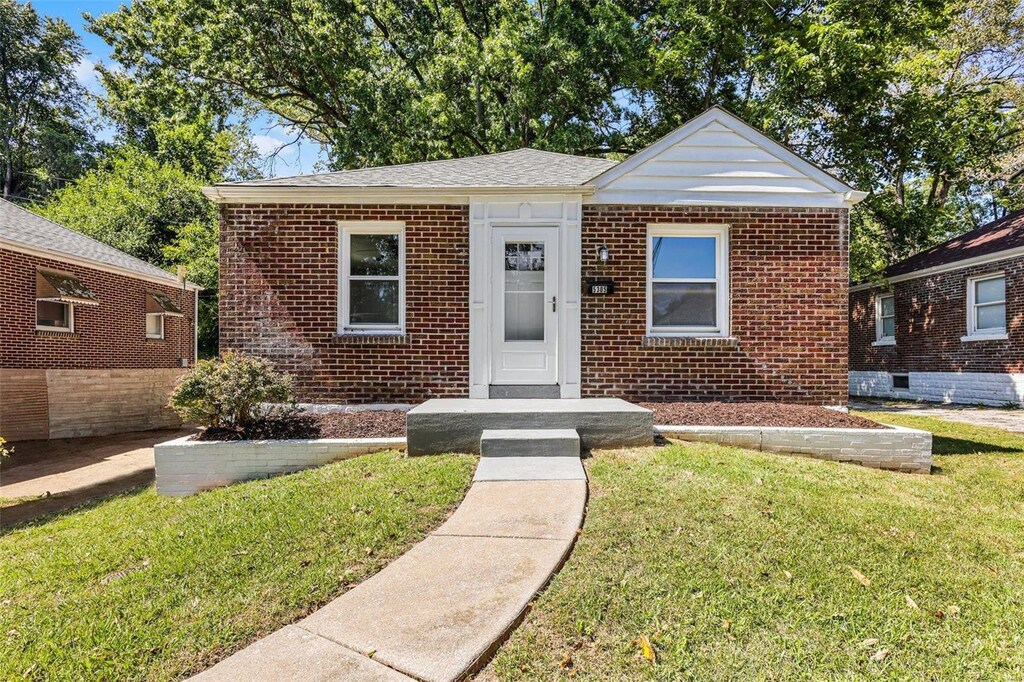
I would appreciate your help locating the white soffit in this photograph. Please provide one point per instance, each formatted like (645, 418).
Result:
(718, 159)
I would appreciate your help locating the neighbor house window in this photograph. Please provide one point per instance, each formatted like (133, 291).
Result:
(986, 306)
(372, 274)
(688, 280)
(154, 326)
(885, 319)
(159, 306)
(57, 294)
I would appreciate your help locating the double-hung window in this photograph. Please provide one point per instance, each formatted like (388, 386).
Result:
(159, 306)
(986, 306)
(885, 320)
(372, 278)
(688, 280)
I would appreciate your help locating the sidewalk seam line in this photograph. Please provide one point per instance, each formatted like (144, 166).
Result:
(355, 651)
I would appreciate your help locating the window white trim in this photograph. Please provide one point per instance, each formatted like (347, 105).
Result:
(880, 338)
(721, 235)
(973, 333)
(345, 231)
(158, 316)
(71, 318)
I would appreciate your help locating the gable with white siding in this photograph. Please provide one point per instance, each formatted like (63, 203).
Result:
(717, 159)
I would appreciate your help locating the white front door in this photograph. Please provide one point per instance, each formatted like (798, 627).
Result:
(524, 318)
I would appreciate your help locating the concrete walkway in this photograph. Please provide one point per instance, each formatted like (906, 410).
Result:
(439, 611)
(51, 475)
(1009, 420)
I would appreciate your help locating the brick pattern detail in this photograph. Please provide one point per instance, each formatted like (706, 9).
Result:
(279, 299)
(931, 316)
(111, 335)
(788, 272)
(279, 295)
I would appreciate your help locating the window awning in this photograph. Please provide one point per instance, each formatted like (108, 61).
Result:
(161, 304)
(54, 286)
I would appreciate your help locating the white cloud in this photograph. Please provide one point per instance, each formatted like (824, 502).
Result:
(267, 145)
(85, 72)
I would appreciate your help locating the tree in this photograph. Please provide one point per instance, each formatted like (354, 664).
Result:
(43, 138)
(397, 80)
(152, 210)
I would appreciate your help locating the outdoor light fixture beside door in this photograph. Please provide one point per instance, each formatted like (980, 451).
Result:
(603, 254)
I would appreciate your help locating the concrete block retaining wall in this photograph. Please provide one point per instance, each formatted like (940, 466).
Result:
(895, 448)
(185, 466)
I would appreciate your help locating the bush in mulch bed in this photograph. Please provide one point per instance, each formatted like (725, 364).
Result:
(755, 414)
(367, 424)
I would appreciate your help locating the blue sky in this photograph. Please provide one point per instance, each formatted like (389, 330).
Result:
(268, 133)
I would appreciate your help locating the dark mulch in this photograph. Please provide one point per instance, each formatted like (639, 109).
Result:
(332, 425)
(755, 414)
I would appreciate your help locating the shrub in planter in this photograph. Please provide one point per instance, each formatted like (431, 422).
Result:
(233, 391)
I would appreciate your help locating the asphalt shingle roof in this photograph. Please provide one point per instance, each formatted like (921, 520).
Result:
(20, 226)
(519, 168)
(999, 235)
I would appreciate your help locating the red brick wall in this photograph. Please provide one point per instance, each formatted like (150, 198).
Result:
(111, 335)
(279, 281)
(788, 272)
(931, 316)
(279, 300)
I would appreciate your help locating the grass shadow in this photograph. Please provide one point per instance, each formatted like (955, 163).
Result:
(945, 445)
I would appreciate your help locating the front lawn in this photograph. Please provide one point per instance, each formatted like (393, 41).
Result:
(140, 586)
(706, 562)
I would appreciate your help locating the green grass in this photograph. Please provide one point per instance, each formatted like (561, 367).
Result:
(140, 586)
(737, 565)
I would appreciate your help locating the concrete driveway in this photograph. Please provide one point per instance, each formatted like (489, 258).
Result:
(1008, 420)
(50, 475)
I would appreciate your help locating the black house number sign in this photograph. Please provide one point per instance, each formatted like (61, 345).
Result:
(600, 287)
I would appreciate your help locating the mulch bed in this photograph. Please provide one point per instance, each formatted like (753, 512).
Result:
(367, 424)
(755, 414)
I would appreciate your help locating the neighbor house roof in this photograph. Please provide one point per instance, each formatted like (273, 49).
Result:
(1004, 234)
(518, 168)
(22, 230)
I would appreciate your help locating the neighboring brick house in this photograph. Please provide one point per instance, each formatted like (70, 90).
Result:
(711, 265)
(91, 339)
(946, 324)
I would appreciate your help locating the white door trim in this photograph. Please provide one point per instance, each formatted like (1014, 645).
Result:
(489, 212)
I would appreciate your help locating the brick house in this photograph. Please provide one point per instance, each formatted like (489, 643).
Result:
(710, 265)
(91, 339)
(946, 324)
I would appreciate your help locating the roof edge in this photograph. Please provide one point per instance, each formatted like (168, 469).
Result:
(235, 194)
(95, 265)
(957, 265)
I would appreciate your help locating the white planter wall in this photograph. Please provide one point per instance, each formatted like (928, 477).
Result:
(185, 466)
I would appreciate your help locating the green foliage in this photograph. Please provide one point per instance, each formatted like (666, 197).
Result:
(234, 390)
(43, 138)
(5, 451)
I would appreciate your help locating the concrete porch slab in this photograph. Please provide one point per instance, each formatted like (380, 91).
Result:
(530, 469)
(439, 610)
(534, 509)
(294, 653)
(455, 425)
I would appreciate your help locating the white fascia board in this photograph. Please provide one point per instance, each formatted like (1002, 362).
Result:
(718, 115)
(171, 280)
(229, 194)
(966, 263)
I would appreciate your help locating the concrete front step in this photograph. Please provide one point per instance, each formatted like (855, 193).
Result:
(530, 443)
(455, 425)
